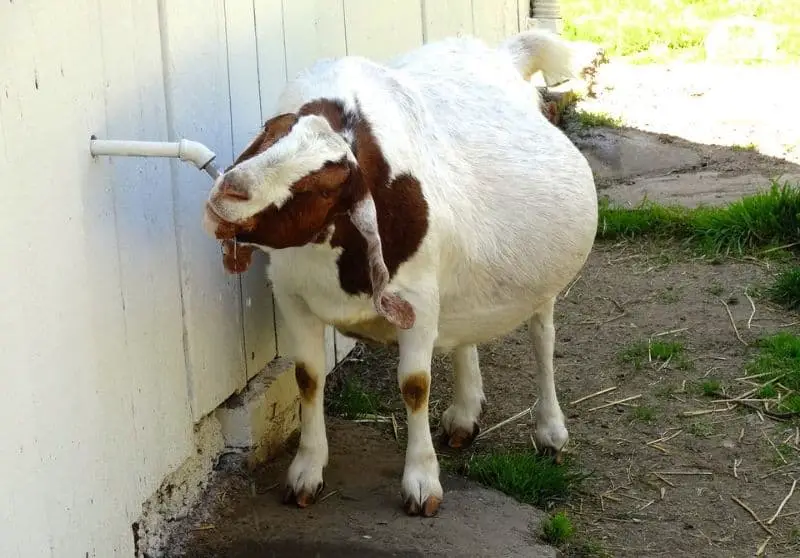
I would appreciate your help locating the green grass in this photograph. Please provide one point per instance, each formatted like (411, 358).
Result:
(748, 147)
(656, 351)
(764, 220)
(777, 365)
(589, 549)
(352, 401)
(643, 413)
(710, 387)
(597, 119)
(786, 289)
(526, 476)
(670, 29)
(767, 391)
(557, 529)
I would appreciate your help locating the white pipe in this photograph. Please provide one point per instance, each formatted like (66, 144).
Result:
(186, 150)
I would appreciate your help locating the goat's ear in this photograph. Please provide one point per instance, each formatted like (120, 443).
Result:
(395, 309)
(274, 129)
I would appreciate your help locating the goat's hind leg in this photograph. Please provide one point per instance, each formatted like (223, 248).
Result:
(460, 420)
(551, 432)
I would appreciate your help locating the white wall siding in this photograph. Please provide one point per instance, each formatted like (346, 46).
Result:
(119, 328)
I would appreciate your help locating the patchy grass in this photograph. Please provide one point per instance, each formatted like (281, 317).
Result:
(557, 529)
(655, 351)
(643, 413)
(765, 220)
(597, 119)
(659, 31)
(524, 475)
(711, 387)
(786, 289)
(589, 549)
(715, 288)
(777, 367)
(352, 401)
(701, 429)
(747, 147)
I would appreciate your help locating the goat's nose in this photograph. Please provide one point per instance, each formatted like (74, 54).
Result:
(233, 189)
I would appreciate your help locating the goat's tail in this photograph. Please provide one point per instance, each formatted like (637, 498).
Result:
(540, 50)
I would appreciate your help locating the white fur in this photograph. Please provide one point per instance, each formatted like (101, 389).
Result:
(268, 176)
(512, 218)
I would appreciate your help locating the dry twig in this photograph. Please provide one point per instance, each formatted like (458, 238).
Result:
(595, 394)
(328, 495)
(783, 503)
(775, 448)
(687, 473)
(569, 288)
(617, 402)
(733, 322)
(665, 438)
(753, 306)
(508, 420)
(736, 463)
(752, 513)
(662, 479)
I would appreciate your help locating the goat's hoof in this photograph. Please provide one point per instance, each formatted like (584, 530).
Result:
(304, 498)
(557, 455)
(461, 437)
(429, 507)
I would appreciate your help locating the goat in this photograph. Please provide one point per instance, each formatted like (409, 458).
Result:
(426, 202)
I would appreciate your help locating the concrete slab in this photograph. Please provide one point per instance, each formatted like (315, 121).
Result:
(691, 190)
(359, 514)
(615, 154)
(263, 416)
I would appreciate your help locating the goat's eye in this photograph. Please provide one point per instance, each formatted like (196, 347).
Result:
(325, 193)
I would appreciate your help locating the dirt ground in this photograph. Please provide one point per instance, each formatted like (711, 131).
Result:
(627, 294)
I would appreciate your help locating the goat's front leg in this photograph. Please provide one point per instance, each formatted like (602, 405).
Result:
(421, 489)
(306, 346)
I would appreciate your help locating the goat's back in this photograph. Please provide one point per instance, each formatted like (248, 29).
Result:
(513, 202)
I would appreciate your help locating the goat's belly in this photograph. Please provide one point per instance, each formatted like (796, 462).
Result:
(481, 325)
(376, 330)
(477, 326)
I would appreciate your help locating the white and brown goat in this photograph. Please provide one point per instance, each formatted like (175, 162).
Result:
(427, 202)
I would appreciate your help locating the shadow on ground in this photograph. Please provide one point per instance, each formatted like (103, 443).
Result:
(359, 513)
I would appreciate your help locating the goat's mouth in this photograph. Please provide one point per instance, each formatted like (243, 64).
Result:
(219, 227)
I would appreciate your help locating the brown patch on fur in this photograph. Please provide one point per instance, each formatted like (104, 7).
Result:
(332, 111)
(317, 198)
(274, 129)
(236, 258)
(324, 198)
(306, 383)
(402, 224)
(415, 391)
